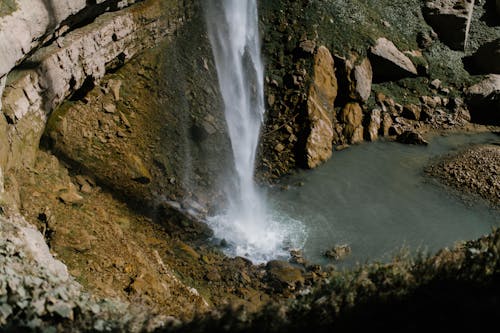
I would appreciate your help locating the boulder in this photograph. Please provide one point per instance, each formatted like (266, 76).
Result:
(322, 94)
(486, 60)
(374, 124)
(411, 138)
(483, 100)
(352, 118)
(451, 20)
(355, 78)
(338, 252)
(389, 63)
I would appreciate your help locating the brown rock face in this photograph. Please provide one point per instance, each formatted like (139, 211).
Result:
(451, 20)
(352, 117)
(389, 63)
(374, 125)
(322, 95)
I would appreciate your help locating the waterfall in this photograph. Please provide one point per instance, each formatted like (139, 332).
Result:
(234, 35)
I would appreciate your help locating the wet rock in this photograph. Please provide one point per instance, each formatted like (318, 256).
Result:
(352, 116)
(411, 138)
(284, 276)
(322, 95)
(389, 63)
(451, 20)
(486, 60)
(338, 252)
(374, 124)
(411, 111)
(483, 100)
(297, 257)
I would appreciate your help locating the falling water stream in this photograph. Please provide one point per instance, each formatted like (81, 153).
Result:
(247, 225)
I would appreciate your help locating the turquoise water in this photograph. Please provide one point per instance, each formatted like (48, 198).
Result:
(376, 198)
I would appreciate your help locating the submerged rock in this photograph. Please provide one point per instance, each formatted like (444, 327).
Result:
(338, 252)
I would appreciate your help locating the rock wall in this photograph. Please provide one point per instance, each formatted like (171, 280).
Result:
(72, 63)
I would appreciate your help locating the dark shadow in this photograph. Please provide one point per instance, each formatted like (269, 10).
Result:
(490, 16)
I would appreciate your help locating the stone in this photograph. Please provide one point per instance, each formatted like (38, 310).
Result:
(363, 76)
(389, 63)
(338, 252)
(386, 124)
(436, 84)
(411, 111)
(109, 108)
(352, 118)
(451, 20)
(411, 138)
(322, 94)
(429, 101)
(486, 60)
(71, 198)
(374, 124)
(355, 77)
(283, 275)
(483, 100)
(115, 86)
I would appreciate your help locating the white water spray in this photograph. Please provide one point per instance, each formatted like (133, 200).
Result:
(247, 225)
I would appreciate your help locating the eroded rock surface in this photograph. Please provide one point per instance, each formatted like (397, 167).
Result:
(451, 20)
(322, 95)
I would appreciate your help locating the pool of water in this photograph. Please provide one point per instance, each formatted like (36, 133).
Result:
(375, 198)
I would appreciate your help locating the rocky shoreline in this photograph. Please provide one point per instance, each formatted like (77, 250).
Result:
(475, 170)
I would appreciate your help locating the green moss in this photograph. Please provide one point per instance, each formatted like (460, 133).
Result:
(7, 7)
